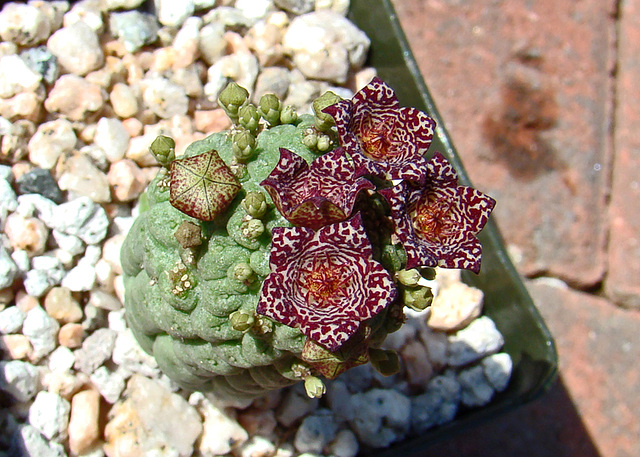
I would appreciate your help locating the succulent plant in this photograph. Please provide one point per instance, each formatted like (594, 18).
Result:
(261, 258)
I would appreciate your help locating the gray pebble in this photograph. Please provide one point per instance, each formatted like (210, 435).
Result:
(30, 442)
(96, 349)
(476, 389)
(11, 319)
(437, 405)
(68, 243)
(316, 431)
(274, 80)
(134, 28)
(42, 331)
(497, 369)
(8, 201)
(383, 417)
(8, 269)
(339, 399)
(47, 271)
(165, 98)
(296, 6)
(19, 379)
(34, 205)
(478, 339)
(295, 405)
(42, 61)
(6, 172)
(39, 181)
(49, 414)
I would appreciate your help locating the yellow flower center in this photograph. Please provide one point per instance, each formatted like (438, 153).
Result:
(325, 281)
(430, 218)
(374, 138)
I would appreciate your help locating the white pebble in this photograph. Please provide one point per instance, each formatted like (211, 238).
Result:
(221, 433)
(16, 76)
(61, 359)
(112, 137)
(8, 201)
(497, 369)
(25, 25)
(51, 140)
(96, 349)
(165, 98)
(42, 331)
(128, 354)
(68, 243)
(479, 339)
(38, 206)
(109, 383)
(19, 379)
(8, 269)
(77, 48)
(49, 414)
(345, 444)
(11, 320)
(174, 13)
(83, 218)
(316, 431)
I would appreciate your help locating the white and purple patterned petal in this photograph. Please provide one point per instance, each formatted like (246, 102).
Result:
(326, 284)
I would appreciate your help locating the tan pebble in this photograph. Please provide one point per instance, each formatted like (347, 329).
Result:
(364, 77)
(80, 175)
(63, 383)
(416, 361)
(26, 302)
(183, 142)
(111, 252)
(133, 126)
(118, 285)
(163, 59)
(211, 121)
(84, 428)
(71, 335)
(26, 233)
(100, 78)
(455, 307)
(123, 100)
(16, 346)
(147, 117)
(50, 141)
(134, 71)
(235, 42)
(139, 150)
(25, 105)
(77, 48)
(103, 300)
(145, 59)
(74, 97)
(60, 304)
(115, 47)
(258, 421)
(126, 180)
(6, 297)
(105, 275)
(20, 168)
(88, 133)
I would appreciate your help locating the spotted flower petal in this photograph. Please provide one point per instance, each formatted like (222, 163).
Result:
(385, 139)
(317, 195)
(325, 282)
(437, 223)
(202, 186)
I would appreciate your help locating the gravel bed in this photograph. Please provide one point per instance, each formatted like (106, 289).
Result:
(84, 89)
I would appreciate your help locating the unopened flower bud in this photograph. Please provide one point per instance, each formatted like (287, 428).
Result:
(324, 143)
(409, 277)
(310, 138)
(252, 229)
(324, 121)
(255, 204)
(270, 108)
(385, 361)
(419, 298)
(231, 99)
(243, 143)
(288, 115)
(164, 150)
(314, 387)
(242, 272)
(241, 320)
(249, 118)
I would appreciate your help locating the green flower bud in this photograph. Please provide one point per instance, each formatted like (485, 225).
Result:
(241, 320)
(164, 150)
(409, 277)
(314, 387)
(386, 362)
(270, 108)
(252, 229)
(419, 298)
(231, 99)
(310, 138)
(249, 118)
(243, 143)
(324, 143)
(255, 204)
(324, 121)
(288, 115)
(242, 272)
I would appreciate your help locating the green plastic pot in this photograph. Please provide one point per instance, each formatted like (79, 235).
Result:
(507, 302)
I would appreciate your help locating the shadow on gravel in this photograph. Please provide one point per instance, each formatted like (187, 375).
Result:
(548, 426)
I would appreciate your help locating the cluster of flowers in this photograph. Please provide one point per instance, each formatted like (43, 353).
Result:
(324, 278)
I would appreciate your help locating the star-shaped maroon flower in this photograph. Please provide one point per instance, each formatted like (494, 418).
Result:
(317, 195)
(387, 140)
(325, 282)
(437, 223)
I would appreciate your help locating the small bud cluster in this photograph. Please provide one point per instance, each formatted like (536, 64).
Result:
(180, 278)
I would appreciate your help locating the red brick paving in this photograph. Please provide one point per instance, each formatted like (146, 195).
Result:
(542, 102)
